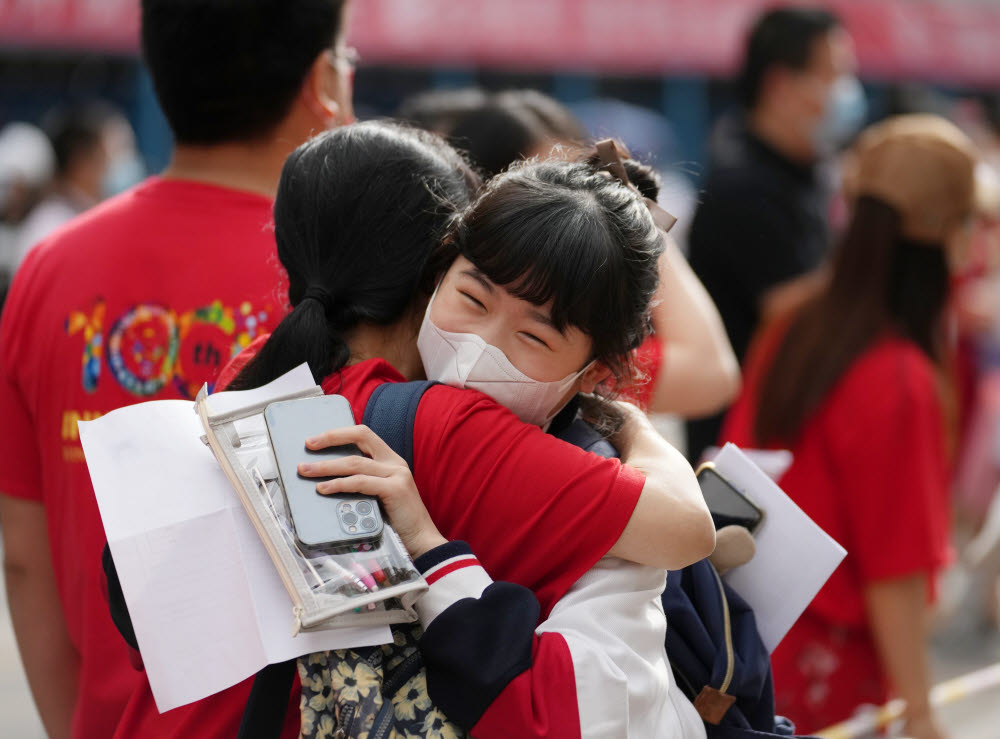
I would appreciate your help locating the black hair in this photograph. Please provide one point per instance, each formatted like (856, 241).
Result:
(782, 37)
(497, 133)
(436, 110)
(75, 131)
(558, 121)
(569, 233)
(358, 211)
(228, 70)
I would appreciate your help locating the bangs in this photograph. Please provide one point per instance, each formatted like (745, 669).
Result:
(551, 250)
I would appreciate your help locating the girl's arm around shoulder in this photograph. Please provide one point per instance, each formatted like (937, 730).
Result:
(520, 480)
(670, 527)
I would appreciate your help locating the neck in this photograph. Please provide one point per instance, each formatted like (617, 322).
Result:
(771, 127)
(251, 166)
(396, 344)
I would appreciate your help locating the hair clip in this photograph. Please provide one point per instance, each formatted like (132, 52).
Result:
(610, 152)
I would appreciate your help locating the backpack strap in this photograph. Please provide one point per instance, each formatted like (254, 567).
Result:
(391, 412)
(582, 434)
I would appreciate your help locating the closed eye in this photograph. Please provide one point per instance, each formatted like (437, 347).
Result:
(535, 339)
(471, 298)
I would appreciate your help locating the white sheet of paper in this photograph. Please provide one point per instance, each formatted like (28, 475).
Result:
(772, 462)
(794, 558)
(207, 604)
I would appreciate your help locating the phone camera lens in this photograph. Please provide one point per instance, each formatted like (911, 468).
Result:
(350, 518)
(364, 507)
(368, 523)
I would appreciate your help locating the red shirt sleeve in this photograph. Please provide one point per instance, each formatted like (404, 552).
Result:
(538, 511)
(20, 473)
(541, 701)
(891, 457)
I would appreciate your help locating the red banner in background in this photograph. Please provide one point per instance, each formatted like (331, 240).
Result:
(100, 25)
(956, 41)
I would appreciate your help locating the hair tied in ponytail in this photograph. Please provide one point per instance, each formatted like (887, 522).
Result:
(322, 296)
(609, 154)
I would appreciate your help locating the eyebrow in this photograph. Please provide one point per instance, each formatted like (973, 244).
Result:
(479, 277)
(536, 315)
(546, 320)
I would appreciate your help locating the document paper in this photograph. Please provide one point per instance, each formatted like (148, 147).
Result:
(207, 604)
(794, 558)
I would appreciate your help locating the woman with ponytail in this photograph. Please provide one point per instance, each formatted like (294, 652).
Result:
(355, 224)
(856, 384)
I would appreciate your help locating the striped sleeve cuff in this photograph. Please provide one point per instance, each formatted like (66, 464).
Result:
(452, 573)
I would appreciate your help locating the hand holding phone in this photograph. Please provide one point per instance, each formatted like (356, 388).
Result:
(319, 521)
(383, 473)
(727, 505)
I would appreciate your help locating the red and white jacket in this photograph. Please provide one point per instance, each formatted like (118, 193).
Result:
(596, 667)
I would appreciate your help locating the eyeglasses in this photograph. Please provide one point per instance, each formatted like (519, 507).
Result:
(346, 54)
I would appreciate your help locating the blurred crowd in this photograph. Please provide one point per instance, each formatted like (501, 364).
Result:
(77, 156)
(831, 288)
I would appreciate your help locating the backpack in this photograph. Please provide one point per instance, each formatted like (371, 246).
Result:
(715, 651)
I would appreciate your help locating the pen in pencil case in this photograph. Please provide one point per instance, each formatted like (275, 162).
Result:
(350, 576)
(365, 577)
(377, 572)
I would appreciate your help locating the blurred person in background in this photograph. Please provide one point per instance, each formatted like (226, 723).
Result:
(760, 231)
(436, 110)
(26, 165)
(499, 132)
(146, 297)
(856, 383)
(78, 136)
(558, 121)
(495, 129)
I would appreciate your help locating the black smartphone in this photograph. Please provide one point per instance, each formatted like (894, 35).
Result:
(319, 521)
(727, 505)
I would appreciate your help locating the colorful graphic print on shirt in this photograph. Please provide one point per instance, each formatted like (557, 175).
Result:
(150, 347)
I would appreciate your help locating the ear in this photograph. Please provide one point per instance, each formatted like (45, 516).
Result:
(315, 90)
(597, 373)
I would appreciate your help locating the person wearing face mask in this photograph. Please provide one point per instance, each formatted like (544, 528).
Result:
(760, 231)
(538, 512)
(856, 383)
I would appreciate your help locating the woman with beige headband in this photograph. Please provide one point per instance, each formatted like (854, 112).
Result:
(854, 382)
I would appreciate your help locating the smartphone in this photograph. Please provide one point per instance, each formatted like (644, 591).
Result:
(319, 521)
(727, 505)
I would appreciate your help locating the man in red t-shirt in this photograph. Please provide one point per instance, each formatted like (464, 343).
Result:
(147, 297)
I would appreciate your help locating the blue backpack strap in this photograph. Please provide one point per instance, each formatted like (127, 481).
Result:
(391, 412)
(582, 434)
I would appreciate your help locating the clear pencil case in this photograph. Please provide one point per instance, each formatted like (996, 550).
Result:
(369, 583)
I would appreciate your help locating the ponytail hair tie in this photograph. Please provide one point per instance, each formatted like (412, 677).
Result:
(322, 296)
(609, 153)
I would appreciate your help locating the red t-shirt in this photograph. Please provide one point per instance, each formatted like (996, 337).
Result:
(871, 467)
(536, 511)
(144, 297)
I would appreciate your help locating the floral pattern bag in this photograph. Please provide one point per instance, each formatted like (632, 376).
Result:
(371, 693)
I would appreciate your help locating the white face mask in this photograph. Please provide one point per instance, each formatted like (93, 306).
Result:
(466, 361)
